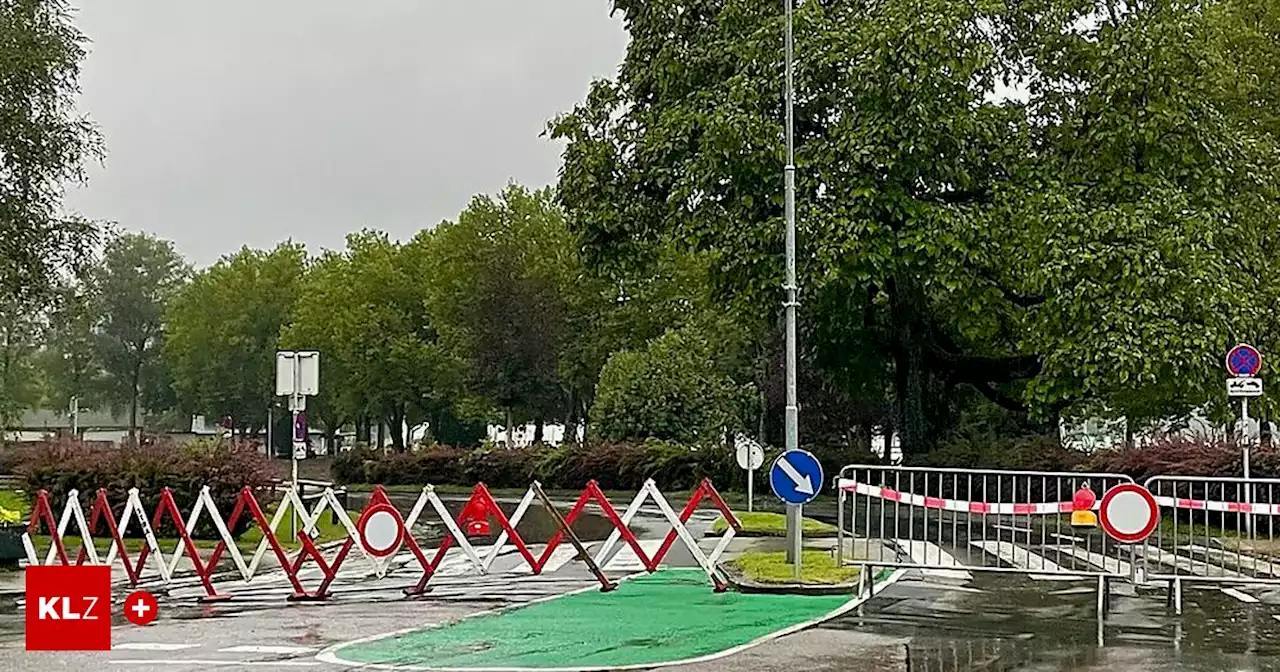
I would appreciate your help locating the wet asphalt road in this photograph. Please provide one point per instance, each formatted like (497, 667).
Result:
(994, 623)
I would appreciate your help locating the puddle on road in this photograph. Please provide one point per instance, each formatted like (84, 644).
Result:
(537, 525)
(1026, 626)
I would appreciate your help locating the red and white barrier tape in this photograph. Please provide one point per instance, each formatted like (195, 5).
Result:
(957, 505)
(1224, 507)
(480, 506)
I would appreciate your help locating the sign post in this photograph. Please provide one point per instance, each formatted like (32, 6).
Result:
(750, 458)
(297, 377)
(1244, 362)
(796, 478)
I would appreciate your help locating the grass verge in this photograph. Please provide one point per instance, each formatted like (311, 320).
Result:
(771, 567)
(765, 524)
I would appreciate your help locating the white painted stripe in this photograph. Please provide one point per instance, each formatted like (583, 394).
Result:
(1113, 565)
(559, 558)
(1275, 617)
(626, 560)
(1243, 597)
(158, 662)
(151, 646)
(1023, 559)
(932, 555)
(1240, 560)
(1186, 564)
(281, 650)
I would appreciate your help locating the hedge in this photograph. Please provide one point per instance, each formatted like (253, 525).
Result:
(62, 466)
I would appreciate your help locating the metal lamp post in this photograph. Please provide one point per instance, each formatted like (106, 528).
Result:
(790, 303)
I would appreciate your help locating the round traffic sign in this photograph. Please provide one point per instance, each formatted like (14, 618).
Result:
(381, 530)
(1244, 360)
(1128, 513)
(750, 454)
(796, 477)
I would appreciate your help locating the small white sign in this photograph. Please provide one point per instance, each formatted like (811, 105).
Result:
(297, 373)
(750, 454)
(299, 451)
(1244, 387)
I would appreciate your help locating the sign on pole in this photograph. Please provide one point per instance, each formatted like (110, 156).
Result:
(750, 457)
(1128, 513)
(1244, 360)
(1244, 387)
(796, 477)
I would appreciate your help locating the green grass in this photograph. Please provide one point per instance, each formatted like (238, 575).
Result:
(816, 568)
(766, 524)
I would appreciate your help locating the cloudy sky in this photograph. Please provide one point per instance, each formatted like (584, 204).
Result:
(247, 122)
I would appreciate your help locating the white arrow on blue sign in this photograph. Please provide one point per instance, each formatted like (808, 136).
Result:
(796, 477)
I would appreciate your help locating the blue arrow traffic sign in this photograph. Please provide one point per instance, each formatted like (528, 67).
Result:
(796, 477)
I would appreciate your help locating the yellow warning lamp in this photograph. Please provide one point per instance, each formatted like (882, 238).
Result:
(1081, 508)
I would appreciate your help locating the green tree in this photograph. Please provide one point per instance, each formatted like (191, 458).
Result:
(69, 359)
(223, 330)
(1090, 241)
(137, 277)
(20, 332)
(44, 143)
(674, 388)
(495, 295)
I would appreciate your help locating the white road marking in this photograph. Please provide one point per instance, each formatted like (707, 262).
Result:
(280, 650)
(1241, 561)
(1024, 559)
(559, 558)
(1276, 617)
(932, 555)
(1243, 597)
(152, 646)
(1186, 564)
(1113, 565)
(157, 662)
(626, 560)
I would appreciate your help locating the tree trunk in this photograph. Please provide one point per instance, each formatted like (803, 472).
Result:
(571, 420)
(1128, 433)
(382, 435)
(134, 384)
(510, 431)
(398, 429)
(538, 431)
(866, 439)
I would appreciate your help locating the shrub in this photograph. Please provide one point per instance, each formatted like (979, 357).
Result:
(1027, 453)
(62, 466)
(1186, 456)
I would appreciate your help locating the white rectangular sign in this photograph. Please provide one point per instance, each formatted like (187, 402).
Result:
(297, 373)
(1244, 387)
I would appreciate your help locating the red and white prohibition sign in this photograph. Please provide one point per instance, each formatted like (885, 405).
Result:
(381, 530)
(1128, 513)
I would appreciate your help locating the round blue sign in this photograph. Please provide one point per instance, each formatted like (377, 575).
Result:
(1244, 360)
(796, 477)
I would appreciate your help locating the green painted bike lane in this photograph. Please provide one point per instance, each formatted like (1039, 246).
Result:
(671, 615)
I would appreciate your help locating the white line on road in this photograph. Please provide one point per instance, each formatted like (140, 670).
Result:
(1243, 597)
(157, 662)
(1113, 565)
(932, 555)
(559, 558)
(152, 646)
(280, 650)
(626, 560)
(1024, 559)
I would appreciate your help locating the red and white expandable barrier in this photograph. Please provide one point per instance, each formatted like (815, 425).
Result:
(379, 534)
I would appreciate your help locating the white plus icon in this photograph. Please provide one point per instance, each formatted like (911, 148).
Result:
(140, 608)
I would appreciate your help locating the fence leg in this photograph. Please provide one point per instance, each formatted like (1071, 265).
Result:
(1103, 589)
(840, 529)
(1177, 597)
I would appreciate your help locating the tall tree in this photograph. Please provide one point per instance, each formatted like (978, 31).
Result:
(69, 360)
(44, 143)
(138, 276)
(223, 329)
(1092, 240)
(495, 297)
(21, 327)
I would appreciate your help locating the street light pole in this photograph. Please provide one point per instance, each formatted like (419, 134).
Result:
(789, 172)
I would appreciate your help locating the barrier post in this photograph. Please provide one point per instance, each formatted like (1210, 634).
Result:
(605, 584)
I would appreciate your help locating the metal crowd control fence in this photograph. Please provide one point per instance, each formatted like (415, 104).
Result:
(377, 548)
(956, 521)
(1212, 529)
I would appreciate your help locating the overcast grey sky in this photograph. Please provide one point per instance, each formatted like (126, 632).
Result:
(247, 122)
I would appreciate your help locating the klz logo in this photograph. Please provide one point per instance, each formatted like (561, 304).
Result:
(68, 608)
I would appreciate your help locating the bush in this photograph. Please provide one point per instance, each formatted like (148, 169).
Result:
(1027, 453)
(1186, 456)
(62, 466)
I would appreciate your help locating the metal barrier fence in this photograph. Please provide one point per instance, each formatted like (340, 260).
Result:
(381, 534)
(1213, 529)
(955, 521)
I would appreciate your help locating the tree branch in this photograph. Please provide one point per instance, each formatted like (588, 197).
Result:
(999, 398)
(1016, 298)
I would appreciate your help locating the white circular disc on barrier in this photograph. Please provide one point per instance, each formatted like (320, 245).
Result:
(1128, 513)
(381, 530)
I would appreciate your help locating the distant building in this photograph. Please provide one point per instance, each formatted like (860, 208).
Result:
(44, 424)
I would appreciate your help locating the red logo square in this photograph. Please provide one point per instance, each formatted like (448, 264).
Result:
(68, 608)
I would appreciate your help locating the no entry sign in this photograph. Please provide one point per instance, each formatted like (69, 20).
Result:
(1128, 513)
(381, 530)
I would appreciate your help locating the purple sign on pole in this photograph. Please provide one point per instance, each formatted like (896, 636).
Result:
(300, 428)
(1244, 360)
